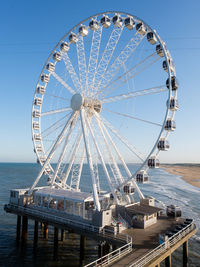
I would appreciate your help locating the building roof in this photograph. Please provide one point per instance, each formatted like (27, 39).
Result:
(142, 209)
(64, 194)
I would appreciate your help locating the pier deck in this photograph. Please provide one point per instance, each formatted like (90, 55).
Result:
(146, 240)
(147, 250)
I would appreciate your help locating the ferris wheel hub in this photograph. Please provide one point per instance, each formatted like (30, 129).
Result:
(77, 102)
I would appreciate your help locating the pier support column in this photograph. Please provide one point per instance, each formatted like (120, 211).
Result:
(24, 228)
(45, 231)
(107, 248)
(35, 233)
(168, 261)
(82, 249)
(62, 235)
(185, 254)
(55, 242)
(18, 228)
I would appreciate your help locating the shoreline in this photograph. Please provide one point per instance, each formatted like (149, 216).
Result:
(189, 173)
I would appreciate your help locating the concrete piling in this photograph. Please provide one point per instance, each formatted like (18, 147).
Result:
(55, 242)
(185, 254)
(62, 235)
(35, 233)
(45, 230)
(24, 228)
(18, 230)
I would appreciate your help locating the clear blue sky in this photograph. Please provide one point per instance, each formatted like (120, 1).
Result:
(31, 29)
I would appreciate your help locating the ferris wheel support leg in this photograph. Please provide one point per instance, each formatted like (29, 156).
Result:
(60, 137)
(72, 159)
(77, 180)
(89, 159)
(122, 160)
(63, 151)
(103, 163)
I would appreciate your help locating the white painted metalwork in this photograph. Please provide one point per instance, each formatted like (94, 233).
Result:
(106, 57)
(59, 79)
(93, 58)
(72, 72)
(89, 159)
(153, 90)
(90, 105)
(82, 64)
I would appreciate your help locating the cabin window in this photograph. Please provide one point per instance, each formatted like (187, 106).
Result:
(13, 194)
(78, 208)
(52, 203)
(45, 202)
(60, 204)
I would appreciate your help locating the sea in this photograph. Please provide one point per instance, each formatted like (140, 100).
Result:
(164, 187)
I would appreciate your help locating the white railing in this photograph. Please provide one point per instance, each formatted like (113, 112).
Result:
(150, 256)
(113, 256)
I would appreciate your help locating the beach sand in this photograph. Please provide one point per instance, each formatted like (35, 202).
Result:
(190, 173)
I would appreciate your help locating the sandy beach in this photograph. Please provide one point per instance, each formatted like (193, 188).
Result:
(190, 173)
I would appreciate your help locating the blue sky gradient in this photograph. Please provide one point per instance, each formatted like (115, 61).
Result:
(31, 29)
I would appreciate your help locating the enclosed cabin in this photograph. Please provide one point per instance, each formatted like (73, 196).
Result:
(153, 162)
(64, 201)
(45, 78)
(105, 21)
(41, 90)
(117, 21)
(37, 101)
(173, 106)
(160, 51)
(151, 38)
(170, 125)
(57, 56)
(38, 148)
(173, 211)
(73, 38)
(41, 160)
(171, 65)
(20, 197)
(94, 25)
(50, 67)
(129, 23)
(74, 205)
(129, 189)
(142, 177)
(37, 137)
(174, 83)
(142, 215)
(64, 47)
(36, 126)
(83, 30)
(141, 29)
(36, 114)
(163, 144)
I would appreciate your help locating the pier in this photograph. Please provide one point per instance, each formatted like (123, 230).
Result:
(142, 247)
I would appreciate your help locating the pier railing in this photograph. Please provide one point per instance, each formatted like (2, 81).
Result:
(150, 256)
(113, 256)
(66, 222)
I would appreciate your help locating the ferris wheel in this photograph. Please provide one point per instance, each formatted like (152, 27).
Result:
(104, 106)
